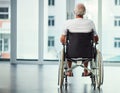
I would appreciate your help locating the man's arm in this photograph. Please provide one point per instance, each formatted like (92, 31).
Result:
(96, 39)
(63, 39)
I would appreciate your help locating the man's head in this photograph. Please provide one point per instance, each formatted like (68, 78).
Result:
(79, 9)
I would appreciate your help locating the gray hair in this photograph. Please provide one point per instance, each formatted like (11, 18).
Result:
(80, 9)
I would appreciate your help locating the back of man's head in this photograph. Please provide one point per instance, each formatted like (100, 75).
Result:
(79, 9)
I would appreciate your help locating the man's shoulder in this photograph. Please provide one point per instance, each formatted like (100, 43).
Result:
(68, 21)
(89, 20)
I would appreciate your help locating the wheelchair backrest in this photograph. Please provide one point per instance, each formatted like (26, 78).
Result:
(79, 45)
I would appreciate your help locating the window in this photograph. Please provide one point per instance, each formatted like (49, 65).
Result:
(3, 16)
(4, 13)
(117, 42)
(0, 45)
(51, 21)
(5, 29)
(51, 41)
(27, 36)
(4, 9)
(5, 44)
(117, 21)
(51, 2)
(117, 2)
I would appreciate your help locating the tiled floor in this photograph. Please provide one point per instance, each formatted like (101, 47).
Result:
(28, 78)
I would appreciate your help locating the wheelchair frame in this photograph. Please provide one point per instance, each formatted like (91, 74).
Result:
(96, 68)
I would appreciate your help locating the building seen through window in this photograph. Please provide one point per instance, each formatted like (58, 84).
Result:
(117, 42)
(117, 2)
(4, 9)
(51, 2)
(117, 21)
(51, 41)
(6, 44)
(51, 21)
(4, 13)
(54, 19)
(4, 31)
(0, 45)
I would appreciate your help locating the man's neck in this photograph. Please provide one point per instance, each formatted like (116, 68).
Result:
(79, 16)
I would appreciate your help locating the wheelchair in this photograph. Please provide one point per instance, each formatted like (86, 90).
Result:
(79, 48)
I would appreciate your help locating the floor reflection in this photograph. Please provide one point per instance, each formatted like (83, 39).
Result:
(97, 90)
(23, 78)
(86, 89)
(62, 90)
(13, 79)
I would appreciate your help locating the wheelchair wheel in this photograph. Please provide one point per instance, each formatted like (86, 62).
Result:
(93, 80)
(99, 69)
(61, 70)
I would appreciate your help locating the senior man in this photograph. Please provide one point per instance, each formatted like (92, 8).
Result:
(78, 24)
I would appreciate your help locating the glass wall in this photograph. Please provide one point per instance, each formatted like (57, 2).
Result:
(54, 18)
(57, 16)
(5, 29)
(107, 25)
(91, 10)
(111, 30)
(27, 29)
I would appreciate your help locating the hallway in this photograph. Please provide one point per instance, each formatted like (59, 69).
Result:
(29, 78)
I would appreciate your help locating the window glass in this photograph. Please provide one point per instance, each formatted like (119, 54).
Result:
(53, 24)
(4, 13)
(115, 22)
(0, 46)
(4, 30)
(27, 45)
(51, 2)
(110, 31)
(6, 44)
(91, 10)
(3, 9)
(27, 29)
(3, 16)
(51, 41)
(117, 42)
(117, 2)
(51, 21)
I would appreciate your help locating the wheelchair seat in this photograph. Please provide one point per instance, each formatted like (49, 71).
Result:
(79, 45)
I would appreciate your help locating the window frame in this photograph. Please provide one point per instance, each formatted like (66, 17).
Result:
(51, 41)
(51, 2)
(51, 20)
(117, 21)
(117, 2)
(116, 42)
(4, 14)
